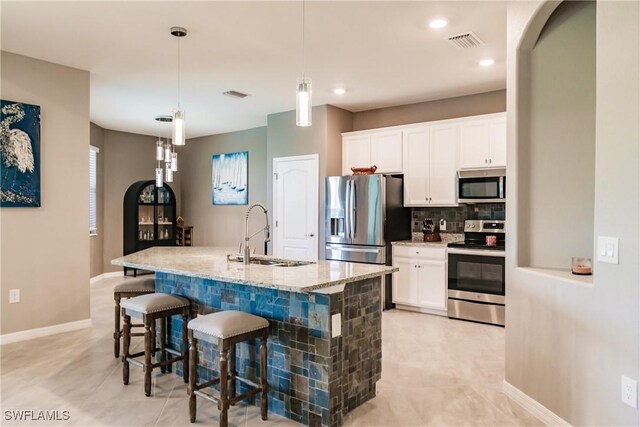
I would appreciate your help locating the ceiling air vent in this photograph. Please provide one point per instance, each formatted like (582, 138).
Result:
(465, 40)
(235, 94)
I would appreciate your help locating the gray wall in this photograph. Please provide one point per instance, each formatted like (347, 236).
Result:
(561, 148)
(285, 139)
(451, 108)
(96, 248)
(222, 225)
(567, 344)
(127, 158)
(45, 250)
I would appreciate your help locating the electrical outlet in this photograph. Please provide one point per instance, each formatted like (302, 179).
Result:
(443, 225)
(14, 296)
(629, 392)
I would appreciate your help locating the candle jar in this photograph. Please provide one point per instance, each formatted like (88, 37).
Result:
(581, 266)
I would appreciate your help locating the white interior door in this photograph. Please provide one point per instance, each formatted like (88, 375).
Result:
(295, 202)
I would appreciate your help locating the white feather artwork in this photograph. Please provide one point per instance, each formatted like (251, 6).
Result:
(16, 144)
(19, 154)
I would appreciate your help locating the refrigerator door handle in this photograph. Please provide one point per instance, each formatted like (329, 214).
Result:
(345, 249)
(352, 210)
(347, 216)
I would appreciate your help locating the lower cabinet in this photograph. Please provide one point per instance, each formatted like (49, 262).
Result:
(421, 282)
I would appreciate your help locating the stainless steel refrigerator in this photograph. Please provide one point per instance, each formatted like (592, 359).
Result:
(363, 215)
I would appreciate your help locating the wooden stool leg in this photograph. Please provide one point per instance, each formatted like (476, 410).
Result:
(154, 353)
(169, 367)
(117, 331)
(185, 348)
(126, 339)
(163, 337)
(147, 355)
(193, 370)
(232, 372)
(223, 405)
(264, 406)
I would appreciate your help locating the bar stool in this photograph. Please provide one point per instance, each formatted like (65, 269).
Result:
(151, 307)
(128, 289)
(226, 329)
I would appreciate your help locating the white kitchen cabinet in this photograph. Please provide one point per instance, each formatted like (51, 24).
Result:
(483, 142)
(380, 148)
(356, 152)
(386, 151)
(429, 160)
(421, 282)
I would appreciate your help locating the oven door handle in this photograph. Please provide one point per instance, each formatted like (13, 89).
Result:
(479, 252)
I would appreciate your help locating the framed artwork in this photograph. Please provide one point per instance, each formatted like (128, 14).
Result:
(19, 154)
(229, 178)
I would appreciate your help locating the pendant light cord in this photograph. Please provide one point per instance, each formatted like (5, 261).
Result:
(303, 50)
(179, 75)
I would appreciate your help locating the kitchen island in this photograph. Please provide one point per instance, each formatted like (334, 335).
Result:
(324, 349)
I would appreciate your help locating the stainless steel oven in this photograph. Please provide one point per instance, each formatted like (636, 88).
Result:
(477, 274)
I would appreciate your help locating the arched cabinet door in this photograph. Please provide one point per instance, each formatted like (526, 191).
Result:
(149, 217)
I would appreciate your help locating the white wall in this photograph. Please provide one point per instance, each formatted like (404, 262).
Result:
(45, 250)
(567, 345)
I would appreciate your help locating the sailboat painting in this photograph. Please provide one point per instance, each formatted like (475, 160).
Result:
(229, 178)
(19, 154)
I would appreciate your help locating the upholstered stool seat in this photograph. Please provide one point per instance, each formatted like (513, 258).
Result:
(226, 324)
(128, 288)
(154, 303)
(226, 329)
(139, 284)
(153, 307)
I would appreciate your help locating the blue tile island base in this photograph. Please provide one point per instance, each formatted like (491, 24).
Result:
(314, 378)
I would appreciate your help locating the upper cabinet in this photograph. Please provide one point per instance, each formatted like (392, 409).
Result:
(430, 154)
(429, 159)
(483, 142)
(380, 148)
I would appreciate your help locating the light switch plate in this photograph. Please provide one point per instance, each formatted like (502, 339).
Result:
(336, 325)
(608, 249)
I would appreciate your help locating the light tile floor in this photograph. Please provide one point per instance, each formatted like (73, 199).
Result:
(435, 371)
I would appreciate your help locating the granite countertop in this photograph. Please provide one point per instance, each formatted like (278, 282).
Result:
(211, 263)
(417, 240)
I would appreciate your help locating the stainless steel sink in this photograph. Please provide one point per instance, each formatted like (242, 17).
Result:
(274, 262)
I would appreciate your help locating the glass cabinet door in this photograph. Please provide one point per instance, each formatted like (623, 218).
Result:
(145, 222)
(165, 213)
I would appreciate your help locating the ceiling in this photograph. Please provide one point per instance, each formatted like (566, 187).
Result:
(383, 53)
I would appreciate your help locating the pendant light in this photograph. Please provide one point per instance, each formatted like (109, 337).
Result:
(161, 152)
(303, 89)
(179, 126)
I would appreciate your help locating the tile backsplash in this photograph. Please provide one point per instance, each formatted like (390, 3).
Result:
(455, 216)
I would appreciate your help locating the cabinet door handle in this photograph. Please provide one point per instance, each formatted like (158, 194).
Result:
(489, 161)
(486, 161)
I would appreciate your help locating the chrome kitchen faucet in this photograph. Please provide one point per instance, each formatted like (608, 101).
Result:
(247, 237)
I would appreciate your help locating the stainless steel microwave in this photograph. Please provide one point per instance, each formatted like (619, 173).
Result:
(482, 186)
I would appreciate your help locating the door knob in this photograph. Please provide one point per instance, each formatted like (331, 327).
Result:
(310, 235)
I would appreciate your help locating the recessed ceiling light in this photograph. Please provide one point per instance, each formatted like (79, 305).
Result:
(438, 23)
(487, 62)
(339, 91)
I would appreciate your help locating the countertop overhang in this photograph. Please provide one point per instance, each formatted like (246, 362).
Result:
(211, 263)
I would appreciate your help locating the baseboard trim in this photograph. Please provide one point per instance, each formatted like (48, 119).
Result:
(30, 334)
(106, 276)
(421, 310)
(533, 406)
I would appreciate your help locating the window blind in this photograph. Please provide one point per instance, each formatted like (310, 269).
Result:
(93, 157)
